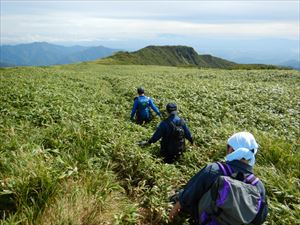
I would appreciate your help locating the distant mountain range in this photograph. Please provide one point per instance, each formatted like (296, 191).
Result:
(44, 54)
(292, 64)
(167, 56)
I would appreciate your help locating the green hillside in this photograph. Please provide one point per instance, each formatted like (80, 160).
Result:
(69, 154)
(167, 56)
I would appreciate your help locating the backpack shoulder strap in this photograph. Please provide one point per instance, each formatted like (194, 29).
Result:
(251, 179)
(170, 123)
(227, 171)
(180, 123)
(148, 101)
(225, 168)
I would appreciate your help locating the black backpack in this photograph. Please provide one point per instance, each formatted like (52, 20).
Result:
(176, 138)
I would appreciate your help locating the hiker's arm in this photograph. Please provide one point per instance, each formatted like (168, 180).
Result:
(196, 187)
(157, 134)
(153, 106)
(176, 209)
(187, 133)
(262, 214)
(133, 109)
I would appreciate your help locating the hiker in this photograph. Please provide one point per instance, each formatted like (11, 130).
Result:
(141, 107)
(242, 197)
(173, 132)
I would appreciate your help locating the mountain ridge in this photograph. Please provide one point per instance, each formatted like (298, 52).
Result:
(167, 55)
(295, 64)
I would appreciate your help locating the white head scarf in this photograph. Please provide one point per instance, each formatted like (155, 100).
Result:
(244, 146)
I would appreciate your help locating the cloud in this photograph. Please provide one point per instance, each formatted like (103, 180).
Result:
(169, 10)
(84, 27)
(27, 21)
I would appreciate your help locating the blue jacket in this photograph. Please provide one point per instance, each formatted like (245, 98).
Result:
(164, 130)
(144, 112)
(201, 182)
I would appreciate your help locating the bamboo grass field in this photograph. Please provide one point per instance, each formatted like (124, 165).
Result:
(69, 153)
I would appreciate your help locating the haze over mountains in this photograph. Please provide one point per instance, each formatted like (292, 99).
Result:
(44, 54)
(274, 51)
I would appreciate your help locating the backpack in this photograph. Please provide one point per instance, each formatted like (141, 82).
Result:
(231, 200)
(143, 108)
(176, 138)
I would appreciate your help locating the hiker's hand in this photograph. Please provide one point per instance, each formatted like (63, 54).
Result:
(175, 197)
(143, 143)
(174, 211)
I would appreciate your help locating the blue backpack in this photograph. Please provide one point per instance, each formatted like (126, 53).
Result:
(143, 111)
(230, 200)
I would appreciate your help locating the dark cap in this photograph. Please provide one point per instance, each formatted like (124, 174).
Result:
(171, 107)
(140, 90)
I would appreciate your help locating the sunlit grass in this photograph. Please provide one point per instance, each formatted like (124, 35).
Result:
(68, 152)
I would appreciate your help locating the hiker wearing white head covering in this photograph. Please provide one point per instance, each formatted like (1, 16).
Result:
(241, 150)
(244, 146)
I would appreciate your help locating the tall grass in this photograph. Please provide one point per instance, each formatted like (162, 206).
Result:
(68, 152)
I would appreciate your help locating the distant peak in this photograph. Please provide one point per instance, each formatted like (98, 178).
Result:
(169, 55)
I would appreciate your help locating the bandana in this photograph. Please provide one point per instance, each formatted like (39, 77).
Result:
(244, 146)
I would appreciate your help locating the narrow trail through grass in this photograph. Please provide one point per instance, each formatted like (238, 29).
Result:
(68, 152)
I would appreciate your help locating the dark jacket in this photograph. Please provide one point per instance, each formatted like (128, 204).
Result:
(201, 182)
(164, 131)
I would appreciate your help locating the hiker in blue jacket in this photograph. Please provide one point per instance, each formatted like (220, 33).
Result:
(240, 159)
(173, 132)
(141, 107)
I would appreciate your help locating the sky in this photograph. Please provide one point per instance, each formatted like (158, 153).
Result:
(226, 28)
